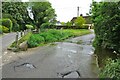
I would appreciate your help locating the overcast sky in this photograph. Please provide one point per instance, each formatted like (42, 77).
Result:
(67, 9)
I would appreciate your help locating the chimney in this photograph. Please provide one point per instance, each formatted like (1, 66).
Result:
(78, 11)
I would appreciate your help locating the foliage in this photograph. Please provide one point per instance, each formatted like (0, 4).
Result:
(44, 26)
(111, 70)
(29, 26)
(1, 29)
(79, 22)
(106, 16)
(15, 26)
(7, 23)
(35, 40)
(85, 26)
(18, 12)
(43, 13)
(76, 32)
(24, 38)
(69, 24)
(53, 35)
(63, 23)
(4, 29)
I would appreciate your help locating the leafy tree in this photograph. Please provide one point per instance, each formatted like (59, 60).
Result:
(69, 24)
(79, 22)
(18, 12)
(43, 13)
(106, 16)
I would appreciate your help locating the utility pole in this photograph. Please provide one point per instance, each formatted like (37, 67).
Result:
(78, 11)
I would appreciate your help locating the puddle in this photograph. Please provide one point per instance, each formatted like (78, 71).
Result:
(71, 74)
(24, 66)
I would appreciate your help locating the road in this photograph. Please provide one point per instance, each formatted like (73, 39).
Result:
(6, 40)
(59, 60)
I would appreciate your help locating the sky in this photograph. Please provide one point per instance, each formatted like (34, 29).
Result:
(67, 9)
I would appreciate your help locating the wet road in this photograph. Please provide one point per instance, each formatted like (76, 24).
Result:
(54, 61)
(7, 39)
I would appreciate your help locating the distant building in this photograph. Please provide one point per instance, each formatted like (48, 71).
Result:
(58, 23)
(88, 21)
(87, 18)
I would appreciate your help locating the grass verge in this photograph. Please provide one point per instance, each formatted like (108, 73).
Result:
(24, 38)
(54, 35)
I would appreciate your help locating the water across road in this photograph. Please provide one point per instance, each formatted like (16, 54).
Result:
(63, 60)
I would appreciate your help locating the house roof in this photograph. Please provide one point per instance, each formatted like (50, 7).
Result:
(74, 18)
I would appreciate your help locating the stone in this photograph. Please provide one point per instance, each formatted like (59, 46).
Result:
(72, 75)
(23, 46)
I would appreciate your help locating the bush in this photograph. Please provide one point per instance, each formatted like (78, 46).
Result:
(3, 29)
(56, 34)
(7, 23)
(85, 26)
(0, 29)
(35, 40)
(53, 35)
(44, 26)
(15, 26)
(111, 70)
(50, 38)
(106, 16)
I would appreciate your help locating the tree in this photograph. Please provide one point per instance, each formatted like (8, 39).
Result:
(106, 16)
(63, 23)
(43, 13)
(17, 10)
(69, 24)
(79, 22)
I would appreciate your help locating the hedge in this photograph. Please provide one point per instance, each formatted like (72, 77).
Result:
(7, 23)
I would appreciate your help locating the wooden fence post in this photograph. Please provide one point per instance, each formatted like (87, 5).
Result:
(21, 33)
(17, 40)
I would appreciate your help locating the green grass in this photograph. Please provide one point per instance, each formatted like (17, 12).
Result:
(54, 35)
(24, 38)
(77, 32)
(111, 70)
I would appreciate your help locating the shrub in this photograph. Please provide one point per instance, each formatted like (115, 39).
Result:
(105, 17)
(24, 38)
(0, 29)
(85, 26)
(56, 34)
(35, 40)
(111, 70)
(3, 29)
(50, 38)
(53, 35)
(7, 23)
(15, 26)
